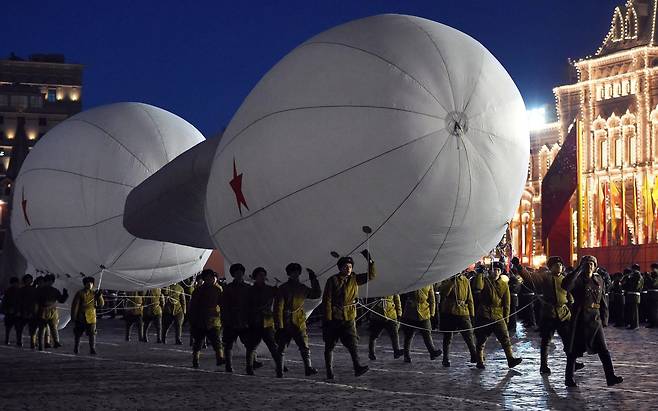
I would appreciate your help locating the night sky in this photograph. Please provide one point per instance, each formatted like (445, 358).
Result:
(200, 62)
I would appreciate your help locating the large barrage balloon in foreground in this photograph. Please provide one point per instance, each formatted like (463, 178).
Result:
(71, 190)
(394, 122)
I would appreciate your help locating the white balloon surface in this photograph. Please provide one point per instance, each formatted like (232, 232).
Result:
(69, 198)
(394, 122)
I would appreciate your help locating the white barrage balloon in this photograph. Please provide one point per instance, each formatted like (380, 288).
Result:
(70, 195)
(394, 122)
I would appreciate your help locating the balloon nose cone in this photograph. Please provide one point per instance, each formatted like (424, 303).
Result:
(457, 123)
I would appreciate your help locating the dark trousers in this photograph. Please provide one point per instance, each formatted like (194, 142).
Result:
(212, 335)
(230, 336)
(173, 319)
(451, 323)
(84, 328)
(391, 327)
(498, 328)
(157, 320)
(293, 333)
(11, 323)
(32, 326)
(131, 320)
(514, 305)
(631, 314)
(421, 326)
(49, 325)
(256, 335)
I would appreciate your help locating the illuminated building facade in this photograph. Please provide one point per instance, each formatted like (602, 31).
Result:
(615, 104)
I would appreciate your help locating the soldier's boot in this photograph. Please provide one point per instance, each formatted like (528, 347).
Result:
(127, 333)
(219, 357)
(92, 345)
(610, 377)
(329, 364)
(407, 349)
(543, 355)
(511, 360)
(41, 336)
(250, 361)
(446, 353)
(371, 349)
(179, 333)
(429, 344)
(397, 352)
(257, 364)
(158, 330)
(56, 343)
(579, 366)
(308, 368)
(278, 365)
(76, 344)
(359, 369)
(472, 350)
(162, 338)
(569, 370)
(195, 359)
(480, 358)
(228, 365)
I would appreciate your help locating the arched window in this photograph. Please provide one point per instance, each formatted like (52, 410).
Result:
(617, 26)
(631, 23)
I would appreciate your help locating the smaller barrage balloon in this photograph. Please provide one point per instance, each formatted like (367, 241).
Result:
(69, 198)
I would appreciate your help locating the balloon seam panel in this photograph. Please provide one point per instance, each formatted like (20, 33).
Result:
(76, 174)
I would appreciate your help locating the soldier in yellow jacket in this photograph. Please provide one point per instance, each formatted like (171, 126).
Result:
(83, 313)
(385, 315)
(418, 308)
(289, 315)
(456, 309)
(134, 313)
(47, 298)
(339, 307)
(205, 317)
(153, 302)
(173, 312)
(492, 314)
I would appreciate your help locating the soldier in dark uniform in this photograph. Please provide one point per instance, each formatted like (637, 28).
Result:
(418, 307)
(47, 298)
(173, 312)
(10, 308)
(632, 283)
(456, 310)
(492, 314)
(617, 299)
(29, 310)
(289, 315)
(651, 285)
(235, 311)
(386, 312)
(83, 314)
(587, 288)
(134, 313)
(205, 317)
(261, 321)
(338, 303)
(515, 283)
(556, 314)
(605, 308)
(153, 302)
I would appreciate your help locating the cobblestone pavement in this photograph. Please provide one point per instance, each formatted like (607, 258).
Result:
(150, 376)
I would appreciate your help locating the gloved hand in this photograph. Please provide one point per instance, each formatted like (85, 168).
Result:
(366, 254)
(65, 292)
(311, 274)
(98, 293)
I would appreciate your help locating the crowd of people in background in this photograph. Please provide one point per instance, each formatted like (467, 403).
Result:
(574, 302)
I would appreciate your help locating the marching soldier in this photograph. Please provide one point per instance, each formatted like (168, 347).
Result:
(235, 310)
(174, 312)
(29, 310)
(419, 306)
(632, 284)
(492, 314)
(134, 313)
(290, 317)
(555, 314)
(652, 296)
(261, 321)
(10, 308)
(338, 302)
(456, 309)
(605, 310)
(387, 310)
(153, 302)
(617, 309)
(587, 288)
(83, 313)
(47, 298)
(205, 317)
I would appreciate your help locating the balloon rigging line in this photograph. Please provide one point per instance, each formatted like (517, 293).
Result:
(475, 85)
(68, 227)
(445, 65)
(287, 110)
(324, 271)
(113, 138)
(350, 168)
(389, 62)
(122, 252)
(23, 173)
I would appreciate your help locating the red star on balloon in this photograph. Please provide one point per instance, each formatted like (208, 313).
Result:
(236, 185)
(24, 205)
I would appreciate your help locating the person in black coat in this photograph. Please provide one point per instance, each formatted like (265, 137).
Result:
(587, 288)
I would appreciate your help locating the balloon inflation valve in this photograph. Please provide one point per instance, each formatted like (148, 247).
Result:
(456, 123)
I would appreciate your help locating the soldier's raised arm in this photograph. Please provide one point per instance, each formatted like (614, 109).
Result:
(372, 271)
(314, 292)
(569, 281)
